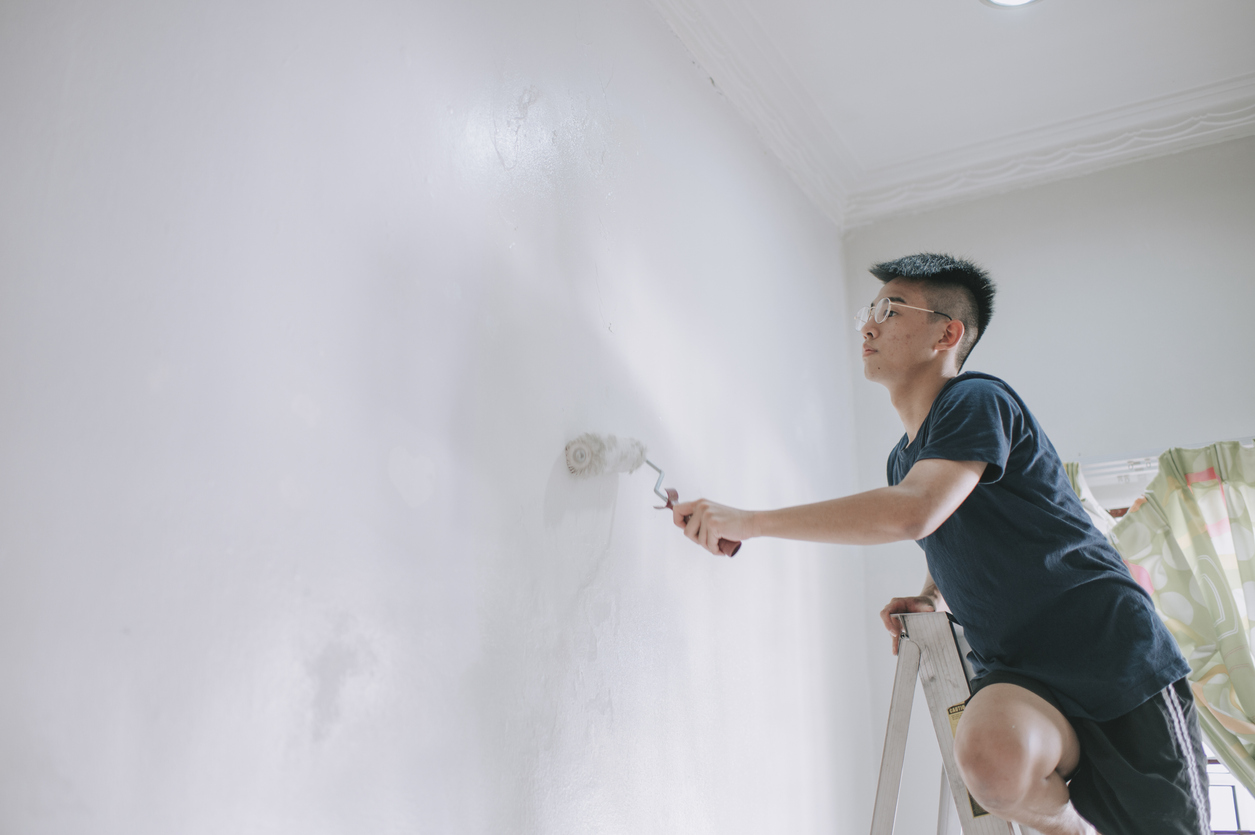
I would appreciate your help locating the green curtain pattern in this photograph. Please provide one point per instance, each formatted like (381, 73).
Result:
(1189, 542)
(1103, 520)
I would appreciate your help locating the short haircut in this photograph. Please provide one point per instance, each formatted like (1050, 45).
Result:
(952, 285)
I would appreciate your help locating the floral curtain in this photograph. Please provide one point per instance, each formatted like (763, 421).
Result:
(1189, 541)
(1103, 520)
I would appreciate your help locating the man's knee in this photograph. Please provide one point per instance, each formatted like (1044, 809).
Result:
(998, 768)
(1009, 742)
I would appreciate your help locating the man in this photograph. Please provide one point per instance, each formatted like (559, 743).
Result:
(1081, 715)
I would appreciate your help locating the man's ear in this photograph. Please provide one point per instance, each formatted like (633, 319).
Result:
(951, 336)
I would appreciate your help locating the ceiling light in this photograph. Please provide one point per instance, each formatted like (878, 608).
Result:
(1006, 3)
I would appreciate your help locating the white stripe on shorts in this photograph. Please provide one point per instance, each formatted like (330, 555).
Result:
(1181, 735)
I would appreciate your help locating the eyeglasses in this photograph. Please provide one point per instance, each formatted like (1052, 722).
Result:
(879, 312)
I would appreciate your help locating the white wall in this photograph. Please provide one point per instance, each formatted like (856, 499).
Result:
(1123, 317)
(300, 303)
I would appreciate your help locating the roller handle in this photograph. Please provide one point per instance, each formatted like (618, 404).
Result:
(727, 547)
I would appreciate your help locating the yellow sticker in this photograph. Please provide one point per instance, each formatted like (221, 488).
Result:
(956, 713)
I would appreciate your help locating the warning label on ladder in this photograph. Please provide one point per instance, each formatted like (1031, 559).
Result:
(956, 713)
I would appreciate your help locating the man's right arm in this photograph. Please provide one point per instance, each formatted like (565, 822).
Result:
(911, 509)
(928, 600)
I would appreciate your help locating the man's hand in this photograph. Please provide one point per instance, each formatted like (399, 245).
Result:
(709, 522)
(899, 605)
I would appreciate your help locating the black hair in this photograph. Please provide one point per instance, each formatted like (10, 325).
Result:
(972, 291)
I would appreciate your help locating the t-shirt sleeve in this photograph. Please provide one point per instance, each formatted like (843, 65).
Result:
(973, 420)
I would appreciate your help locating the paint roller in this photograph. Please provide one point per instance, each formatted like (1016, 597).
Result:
(592, 455)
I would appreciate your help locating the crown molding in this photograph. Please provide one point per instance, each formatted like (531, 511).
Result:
(755, 76)
(1151, 128)
(787, 118)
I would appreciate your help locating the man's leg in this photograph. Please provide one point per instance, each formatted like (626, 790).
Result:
(1013, 749)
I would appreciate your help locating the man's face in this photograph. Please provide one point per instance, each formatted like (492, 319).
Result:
(904, 341)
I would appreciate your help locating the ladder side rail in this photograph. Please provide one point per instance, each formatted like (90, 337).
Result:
(946, 817)
(886, 808)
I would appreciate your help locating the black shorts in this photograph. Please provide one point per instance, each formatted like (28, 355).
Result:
(1143, 773)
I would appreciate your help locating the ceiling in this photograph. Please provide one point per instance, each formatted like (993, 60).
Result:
(880, 107)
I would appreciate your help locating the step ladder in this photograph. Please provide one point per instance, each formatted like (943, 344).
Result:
(932, 648)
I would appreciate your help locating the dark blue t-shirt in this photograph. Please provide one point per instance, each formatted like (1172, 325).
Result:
(1038, 589)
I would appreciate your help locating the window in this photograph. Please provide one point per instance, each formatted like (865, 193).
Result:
(1232, 806)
